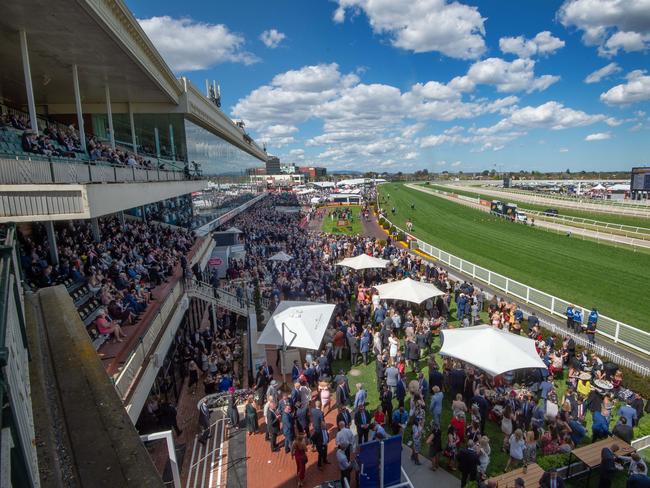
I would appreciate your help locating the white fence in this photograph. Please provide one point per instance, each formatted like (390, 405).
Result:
(613, 329)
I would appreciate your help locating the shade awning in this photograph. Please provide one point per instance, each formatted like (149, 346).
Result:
(408, 290)
(363, 261)
(304, 324)
(281, 256)
(492, 350)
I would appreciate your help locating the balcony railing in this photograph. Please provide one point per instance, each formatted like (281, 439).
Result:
(35, 171)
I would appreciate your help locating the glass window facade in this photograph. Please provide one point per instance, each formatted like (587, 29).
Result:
(216, 156)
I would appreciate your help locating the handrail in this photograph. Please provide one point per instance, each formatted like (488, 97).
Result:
(42, 171)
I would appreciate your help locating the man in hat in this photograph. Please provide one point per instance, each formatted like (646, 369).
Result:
(272, 391)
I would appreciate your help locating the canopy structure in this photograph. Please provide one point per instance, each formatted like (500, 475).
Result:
(304, 324)
(234, 230)
(281, 256)
(363, 261)
(408, 290)
(492, 350)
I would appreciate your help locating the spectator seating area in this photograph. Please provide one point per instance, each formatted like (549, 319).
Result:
(59, 143)
(112, 278)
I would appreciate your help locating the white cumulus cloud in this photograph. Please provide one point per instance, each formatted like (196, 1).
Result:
(603, 72)
(609, 24)
(509, 76)
(272, 38)
(637, 89)
(598, 136)
(189, 45)
(543, 43)
(451, 28)
(625, 41)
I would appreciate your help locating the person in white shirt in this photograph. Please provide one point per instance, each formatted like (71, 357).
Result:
(377, 432)
(345, 439)
(344, 465)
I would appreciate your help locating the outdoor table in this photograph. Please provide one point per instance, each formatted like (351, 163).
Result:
(590, 455)
(531, 478)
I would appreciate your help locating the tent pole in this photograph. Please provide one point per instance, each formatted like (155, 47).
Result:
(284, 351)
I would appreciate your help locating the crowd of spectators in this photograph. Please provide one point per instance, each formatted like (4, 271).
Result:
(60, 141)
(541, 412)
(120, 269)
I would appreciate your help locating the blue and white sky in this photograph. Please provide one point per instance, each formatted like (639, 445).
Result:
(401, 85)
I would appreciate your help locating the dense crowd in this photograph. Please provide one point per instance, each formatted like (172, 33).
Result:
(541, 412)
(121, 268)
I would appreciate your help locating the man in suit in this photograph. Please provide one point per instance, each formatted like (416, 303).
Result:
(268, 371)
(468, 462)
(360, 397)
(320, 439)
(341, 394)
(344, 416)
(550, 479)
(302, 417)
(204, 421)
(287, 428)
(295, 394)
(364, 346)
(362, 421)
(639, 479)
(317, 418)
(273, 426)
(295, 371)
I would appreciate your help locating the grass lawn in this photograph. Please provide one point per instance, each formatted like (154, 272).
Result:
(367, 376)
(355, 227)
(591, 214)
(614, 280)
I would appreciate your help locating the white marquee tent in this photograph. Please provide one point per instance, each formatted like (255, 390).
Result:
(363, 261)
(492, 350)
(304, 324)
(281, 256)
(408, 290)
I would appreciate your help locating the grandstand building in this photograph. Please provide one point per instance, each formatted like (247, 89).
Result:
(100, 143)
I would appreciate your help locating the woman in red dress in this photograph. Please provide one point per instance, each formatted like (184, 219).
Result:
(299, 453)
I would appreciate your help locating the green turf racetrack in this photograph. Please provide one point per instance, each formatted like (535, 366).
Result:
(615, 280)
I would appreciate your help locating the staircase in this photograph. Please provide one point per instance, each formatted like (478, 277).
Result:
(217, 296)
(209, 461)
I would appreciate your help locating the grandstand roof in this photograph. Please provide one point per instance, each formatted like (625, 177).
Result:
(103, 38)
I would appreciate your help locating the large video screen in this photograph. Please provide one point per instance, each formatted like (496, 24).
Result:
(640, 179)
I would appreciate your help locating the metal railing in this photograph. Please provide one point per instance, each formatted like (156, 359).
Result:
(222, 219)
(36, 171)
(615, 330)
(18, 460)
(145, 347)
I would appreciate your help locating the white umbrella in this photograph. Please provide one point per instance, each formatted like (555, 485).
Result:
(304, 324)
(492, 350)
(363, 261)
(281, 256)
(408, 290)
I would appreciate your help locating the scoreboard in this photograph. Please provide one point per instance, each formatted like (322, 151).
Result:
(640, 179)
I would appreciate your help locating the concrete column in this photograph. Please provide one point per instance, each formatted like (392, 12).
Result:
(94, 228)
(156, 137)
(27, 70)
(109, 114)
(171, 138)
(77, 101)
(120, 217)
(133, 141)
(51, 238)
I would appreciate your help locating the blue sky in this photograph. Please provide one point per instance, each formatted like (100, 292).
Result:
(400, 85)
